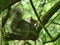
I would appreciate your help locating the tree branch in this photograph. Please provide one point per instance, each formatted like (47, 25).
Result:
(55, 23)
(52, 20)
(50, 12)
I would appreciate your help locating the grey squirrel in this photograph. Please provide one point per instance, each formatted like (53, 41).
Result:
(19, 23)
(27, 24)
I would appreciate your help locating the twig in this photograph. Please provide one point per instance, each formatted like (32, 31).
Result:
(55, 23)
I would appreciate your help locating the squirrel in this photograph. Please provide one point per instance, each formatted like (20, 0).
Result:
(29, 23)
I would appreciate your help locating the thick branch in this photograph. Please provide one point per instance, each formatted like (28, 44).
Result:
(52, 20)
(50, 12)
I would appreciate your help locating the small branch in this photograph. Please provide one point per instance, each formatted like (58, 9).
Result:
(55, 23)
(58, 36)
(46, 30)
(34, 10)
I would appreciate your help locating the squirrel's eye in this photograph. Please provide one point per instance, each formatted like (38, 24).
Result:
(35, 25)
